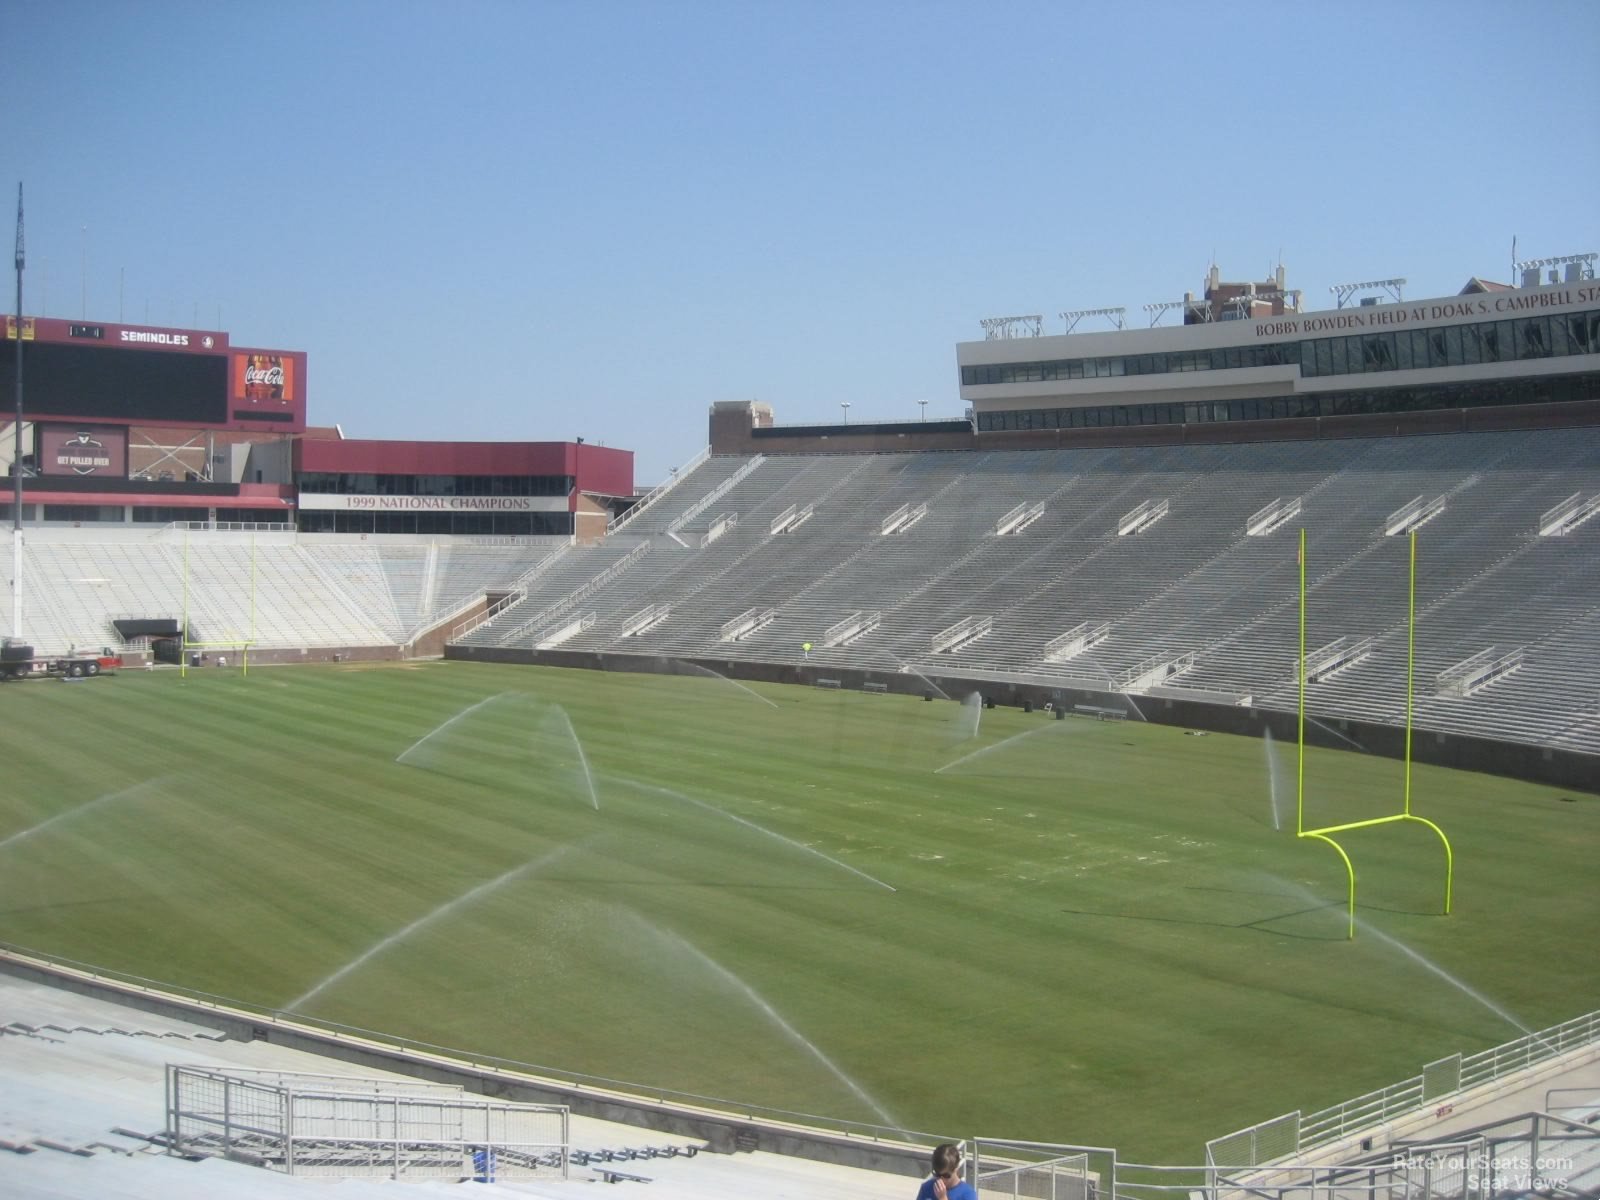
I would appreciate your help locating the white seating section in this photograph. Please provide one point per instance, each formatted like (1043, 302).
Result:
(280, 592)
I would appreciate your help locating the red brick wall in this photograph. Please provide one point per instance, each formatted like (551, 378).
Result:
(731, 434)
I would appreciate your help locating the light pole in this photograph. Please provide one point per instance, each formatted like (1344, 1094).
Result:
(16, 455)
(924, 404)
(845, 405)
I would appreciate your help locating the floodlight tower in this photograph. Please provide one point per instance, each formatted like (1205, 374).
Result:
(1198, 307)
(1343, 291)
(1243, 305)
(16, 456)
(1073, 316)
(997, 329)
(1577, 267)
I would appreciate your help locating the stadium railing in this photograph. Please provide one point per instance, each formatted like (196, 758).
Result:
(348, 1127)
(583, 592)
(1294, 1133)
(715, 494)
(660, 490)
(231, 526)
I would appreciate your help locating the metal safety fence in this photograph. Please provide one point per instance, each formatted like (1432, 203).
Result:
(1294, 1133)
(1012, 1170)
(329, 1125)
(1535, 1156)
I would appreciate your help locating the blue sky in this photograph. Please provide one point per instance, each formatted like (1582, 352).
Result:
(531, 221)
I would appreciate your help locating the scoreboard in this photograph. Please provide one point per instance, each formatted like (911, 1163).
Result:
(138, 375)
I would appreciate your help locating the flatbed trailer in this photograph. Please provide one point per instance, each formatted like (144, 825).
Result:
(20, 662)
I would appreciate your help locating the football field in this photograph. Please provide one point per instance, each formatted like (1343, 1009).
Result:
(865, 907)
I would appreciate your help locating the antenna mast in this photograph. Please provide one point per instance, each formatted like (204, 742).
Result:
(16, 455)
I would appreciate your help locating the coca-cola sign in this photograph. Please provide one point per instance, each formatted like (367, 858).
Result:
(263, 379)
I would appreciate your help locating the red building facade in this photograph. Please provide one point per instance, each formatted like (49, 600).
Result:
(130, 423)
(452, 488)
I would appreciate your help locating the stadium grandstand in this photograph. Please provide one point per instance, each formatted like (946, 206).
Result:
(1112, 528)
(1129, 532)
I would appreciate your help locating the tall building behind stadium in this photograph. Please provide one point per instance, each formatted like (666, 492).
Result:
(1242, 356)
(1247, 363)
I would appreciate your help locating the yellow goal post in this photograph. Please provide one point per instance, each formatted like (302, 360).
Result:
(221, 647)
(1323, 833)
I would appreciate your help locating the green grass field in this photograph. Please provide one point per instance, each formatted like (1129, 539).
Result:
(1094, 932)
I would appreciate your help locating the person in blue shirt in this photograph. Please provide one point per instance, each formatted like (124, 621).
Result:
(947, 1183)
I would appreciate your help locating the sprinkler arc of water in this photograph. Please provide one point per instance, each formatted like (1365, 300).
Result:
(722, 812)
(1428, 964)
(772, 1015)
(443, 725)
(1420, 959)
(725, 679)
(76, 810)
(905, 666)
(1336, 733)
(1016, 737)
(1272, 779)
(583, 759)
(973, 701)
(443, 910)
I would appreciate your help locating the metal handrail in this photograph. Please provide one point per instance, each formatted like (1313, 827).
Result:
(584, 591)
(1409, 1096)
(465, 627)
(661, 489)
(715, 494)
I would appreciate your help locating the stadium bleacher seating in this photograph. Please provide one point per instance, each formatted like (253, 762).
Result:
(1193, 586)
(1193, 589)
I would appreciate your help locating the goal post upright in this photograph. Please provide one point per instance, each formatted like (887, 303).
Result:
(242, 645)
(1405, 814)
(1411, 664)
(183, 631)
(1300, 672)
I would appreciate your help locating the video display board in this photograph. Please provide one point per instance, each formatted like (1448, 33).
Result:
(98, 450)
(100, 372)
(108, 383)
